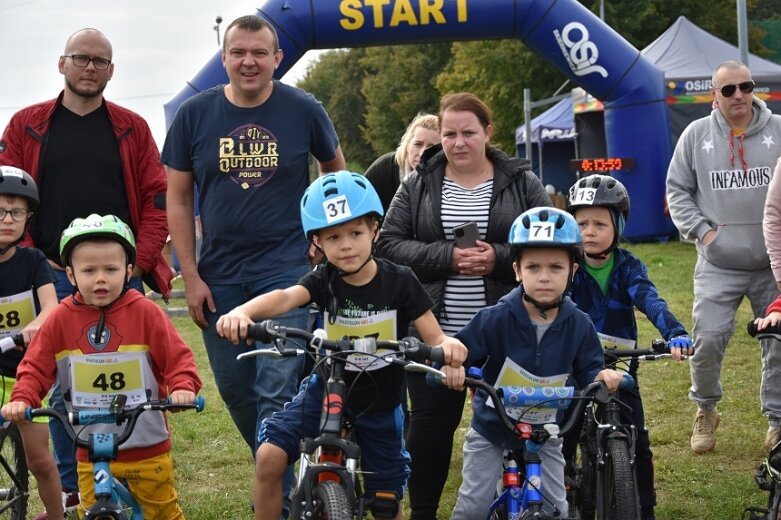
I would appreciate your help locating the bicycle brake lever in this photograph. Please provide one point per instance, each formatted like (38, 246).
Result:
(267, 352)
(414, 366)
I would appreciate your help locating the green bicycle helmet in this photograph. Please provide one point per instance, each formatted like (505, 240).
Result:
(17, 182)
(100, 227)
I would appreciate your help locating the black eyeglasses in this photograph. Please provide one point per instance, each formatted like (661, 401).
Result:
(17, 214)
(82, 61)
(747, 87)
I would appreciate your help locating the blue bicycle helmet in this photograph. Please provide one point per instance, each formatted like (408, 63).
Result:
(337, 198)
(546, 227)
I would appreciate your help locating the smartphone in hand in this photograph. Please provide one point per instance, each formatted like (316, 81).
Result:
(466, 235)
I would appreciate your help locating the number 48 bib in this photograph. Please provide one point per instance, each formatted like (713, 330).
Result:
(97, 378)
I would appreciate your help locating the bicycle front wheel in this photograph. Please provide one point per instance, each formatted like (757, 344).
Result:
(619, 485)
(14, 477)
(331, 502)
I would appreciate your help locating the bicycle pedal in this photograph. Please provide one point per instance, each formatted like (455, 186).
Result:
(762, 478)
(385, 504)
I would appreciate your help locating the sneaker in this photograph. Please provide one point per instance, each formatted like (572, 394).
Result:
(703, 437)
(772, 437)
(71, 502)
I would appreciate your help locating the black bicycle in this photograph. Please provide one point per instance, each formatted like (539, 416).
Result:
(768, 474)
(601, 479)
(328, 484)
(14, 476)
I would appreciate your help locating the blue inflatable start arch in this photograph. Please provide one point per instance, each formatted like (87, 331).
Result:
(564, 32)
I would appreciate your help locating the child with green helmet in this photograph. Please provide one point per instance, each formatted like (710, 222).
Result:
(611, 284)
(139, 351)
(28, 296)
(340, 214)
(534, 333)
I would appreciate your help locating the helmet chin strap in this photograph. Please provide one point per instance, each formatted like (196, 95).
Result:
(617, 229)
(5, 249)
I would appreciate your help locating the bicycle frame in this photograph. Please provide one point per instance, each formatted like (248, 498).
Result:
(333, 455)
(103, 448)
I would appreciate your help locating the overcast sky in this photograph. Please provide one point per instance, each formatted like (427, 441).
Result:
(158, 46)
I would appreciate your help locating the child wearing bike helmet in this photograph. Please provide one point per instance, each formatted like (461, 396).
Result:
(28, 296)
(360, 296)
(535, 333)
(612, 283)
(107, 340)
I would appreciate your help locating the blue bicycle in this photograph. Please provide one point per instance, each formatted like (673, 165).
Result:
(520, 495)
(112, 499)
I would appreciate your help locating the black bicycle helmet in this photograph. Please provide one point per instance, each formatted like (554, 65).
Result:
(17, 182)
(606, 192)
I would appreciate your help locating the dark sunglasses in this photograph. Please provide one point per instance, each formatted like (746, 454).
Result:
(747, 87)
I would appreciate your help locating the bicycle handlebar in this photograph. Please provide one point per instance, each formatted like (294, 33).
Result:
(269, 331)
(110, 416)
(10, 342)
(659, 349)
(771, 331)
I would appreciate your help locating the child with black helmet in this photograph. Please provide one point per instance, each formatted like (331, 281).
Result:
(104, 332)
(535, 332)
(28, 297)
(611, 284)
(340, 213)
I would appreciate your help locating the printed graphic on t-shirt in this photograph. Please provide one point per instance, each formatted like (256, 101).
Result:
(380, 325)
(16, 312)
(249, 156)
(514, 375)
(741, 179)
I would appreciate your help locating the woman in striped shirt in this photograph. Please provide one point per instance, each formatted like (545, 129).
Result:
(464, 179)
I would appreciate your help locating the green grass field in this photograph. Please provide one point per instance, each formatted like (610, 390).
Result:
(214, 468)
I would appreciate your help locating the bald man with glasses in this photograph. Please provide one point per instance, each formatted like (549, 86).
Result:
(717, 183)
(89, 155)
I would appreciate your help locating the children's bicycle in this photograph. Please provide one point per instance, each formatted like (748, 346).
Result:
(521, 495)
(768, 474)
(601, 479)
(328, 484)
(14, 476)
(112, 499)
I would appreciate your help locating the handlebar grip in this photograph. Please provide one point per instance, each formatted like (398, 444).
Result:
(198, 403)
(259, 331)
(770, 330)
(627, 382)
(436, 355)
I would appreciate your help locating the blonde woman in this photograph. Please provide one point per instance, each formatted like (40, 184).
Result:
(387, 172)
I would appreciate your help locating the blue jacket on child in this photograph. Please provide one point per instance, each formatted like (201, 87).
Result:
(629, 287)
(505, 330)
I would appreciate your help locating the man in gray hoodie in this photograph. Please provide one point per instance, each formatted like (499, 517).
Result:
(716, 188)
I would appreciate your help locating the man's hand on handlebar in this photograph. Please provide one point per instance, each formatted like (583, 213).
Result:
(455, 351)
(233, 326)
(454, 377)
(680, 347)
(14, 411)
(611, 378)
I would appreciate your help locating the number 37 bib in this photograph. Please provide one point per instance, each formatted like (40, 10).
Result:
(98, 378)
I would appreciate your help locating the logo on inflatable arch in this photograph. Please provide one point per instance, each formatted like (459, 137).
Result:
(580, 52)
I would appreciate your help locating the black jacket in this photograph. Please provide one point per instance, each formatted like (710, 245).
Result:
(412, 233)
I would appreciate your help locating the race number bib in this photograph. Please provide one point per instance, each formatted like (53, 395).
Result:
(337, 209)
(98, 378)
(381, 326)
(583, 196)
(16, 312)
(616, 342)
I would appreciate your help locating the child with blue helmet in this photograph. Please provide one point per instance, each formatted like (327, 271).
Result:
(535, 333)
(612, 283)
(340, 214)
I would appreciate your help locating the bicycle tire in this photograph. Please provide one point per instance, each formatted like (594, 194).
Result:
(774, 501)
(14, 476)
(331, 502)
(619, 486)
